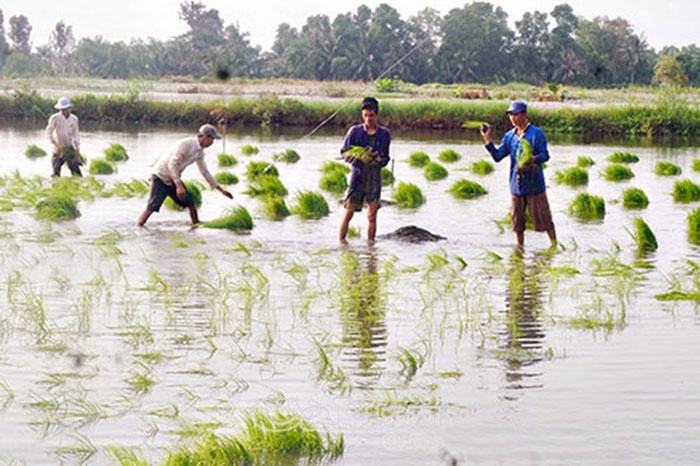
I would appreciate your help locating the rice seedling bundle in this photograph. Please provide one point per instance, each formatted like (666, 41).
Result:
(617, 172)
(195, 194)
(574, 176)
(634, 198)
(524, 153)
(696, 165)
(663, 168)
(686, 191)
(471, 124)
(623, 157)
(387, 177)
(449, 156)
(116, 153)
(482, 167)
(100, 167)
(59, 206)
(266, 185)
(288, 156)
(335, 182)
(587, 207)
(310, 205)
(466, 189)
(275, 208)
(226, 160)
(644, 236)
(584, 162)
(418, 159)
(433, 171)
(330, 167)
(249, 149)
(226, 178)
(408, 195)
(236, 218)
(694, 226)
(256, 169)
(34, 151)
(363, 154)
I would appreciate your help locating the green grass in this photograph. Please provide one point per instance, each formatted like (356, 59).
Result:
(587, 207)
(408, 195)
(236, 218)
(617, 172)
(33, 151)
(696, 165)
(266, 185)
(276, 209)
(623, 157)
(585, 162)
(195, 192)
(433, 171)
(482, 167)
(663, 168)
(310, 205)
(644, 236)
(226, 178)
(100, 167)
(388, 177)
(115, 152)
(226, 160)
(57, 207)
(694, 226)
(686, 191)
(449, 156)
(574, 176)
(288, 156)
(634, 198)
(466, 189)
(335, 182)
(255, 169)
(418, 159)
(249, 149)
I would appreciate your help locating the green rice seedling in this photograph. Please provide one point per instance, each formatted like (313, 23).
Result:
(525, 154)
(226, 178)
(310, 205)
(387, 177)
(694, 226)
(115, 152)
(130, 189)
(266, 185)
(354, 232)
(256, 169)
(226, 160)
(249, 149)
(126, 456)
(574, 176)
(686, 191)
(237, 218)
(335, 182)
(584, 162)
(418, 159)
(410, 362)
(389, 405)
(141, 382)
(434, 171)
(331, 166)
(482, 167)
(364, 154)
(587, 207)
(623, 157)
(696, 165)
(472, 124)
(644, 236)
(288, 156)
(617, 172)
(634, 198)
(466, 189)
(195, 192)
(449, 156)
(100, 167)
(276, 208)
(57, 207)
(663, 168)
(33, 151)
(408, 195)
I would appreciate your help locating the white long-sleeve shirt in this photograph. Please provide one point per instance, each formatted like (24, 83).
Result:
(63, 131)
(188, 151)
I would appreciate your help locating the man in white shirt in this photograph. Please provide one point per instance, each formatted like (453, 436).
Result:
(62, 131)
(166, 181)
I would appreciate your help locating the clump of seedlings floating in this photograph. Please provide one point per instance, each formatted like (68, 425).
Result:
(331, 167)
(100, 167)
(226, 160)
(482, 167)
(195, 193)
(275, 208)
(249, 149)
(387, 177)
(408, 195)
(433, 171)
(226, 178)
(237, 219)
(266, 185)
(585, 161)
(336, 181)
(694, 226)
(363, 154)
(58, 206)
(449, 156)
(256, 169)
(634, 198)
(115, 152)
(466, 189)
(663, 168)
(617, 172)
(34, 151)
(574, 176)
(623, 157)
(644, 237)
(287, 156)
(686, 191)
(310, 205)
(587, 207)
(418, 159)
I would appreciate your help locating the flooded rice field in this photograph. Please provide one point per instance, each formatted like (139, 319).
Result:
(120, 343)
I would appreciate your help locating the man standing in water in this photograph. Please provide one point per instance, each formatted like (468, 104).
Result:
(526, 145)
(62, 131)
(166, 181)
(366, 179)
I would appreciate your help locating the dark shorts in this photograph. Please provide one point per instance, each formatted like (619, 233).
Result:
(160, 190)
(537, 205)
(357, 198)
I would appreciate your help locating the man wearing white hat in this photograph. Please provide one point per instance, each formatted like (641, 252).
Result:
(62, 131)
(166, 181)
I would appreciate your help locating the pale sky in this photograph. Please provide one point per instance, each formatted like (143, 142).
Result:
(669, 22)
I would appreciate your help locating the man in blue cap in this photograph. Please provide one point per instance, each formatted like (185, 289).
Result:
(526, 146)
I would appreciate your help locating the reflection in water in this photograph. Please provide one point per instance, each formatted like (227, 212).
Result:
(363, 316)
(524, 331)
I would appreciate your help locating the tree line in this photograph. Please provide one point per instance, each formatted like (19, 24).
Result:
(472, 44)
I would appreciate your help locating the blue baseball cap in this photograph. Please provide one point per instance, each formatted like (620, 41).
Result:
(517, 106)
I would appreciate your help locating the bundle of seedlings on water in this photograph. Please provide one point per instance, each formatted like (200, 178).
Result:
(100, 167)
(249, 149)
(34, 151)
(256, 169)
(195, 193)
(663, 168)
(115, 152)
(275, 208)
(686, 191)
(617, 172)
(694, 226)
(226, 160)
(57, 206)
(387, 177)
(335, 182)
(433, 171)
(129, 189)
(644, 236)
(449, 156)
(266, 185)
(310, 205)
(408, 195)
(696, 165)
(236, 218)
(418, 159)
(330, 167)
(466, 189)
(574, 176)
(226, 178)
(363, 154)
(482, 167)
(634, 198)
(623, 157)
(587, 207)
(584, 162)
(288, 156)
